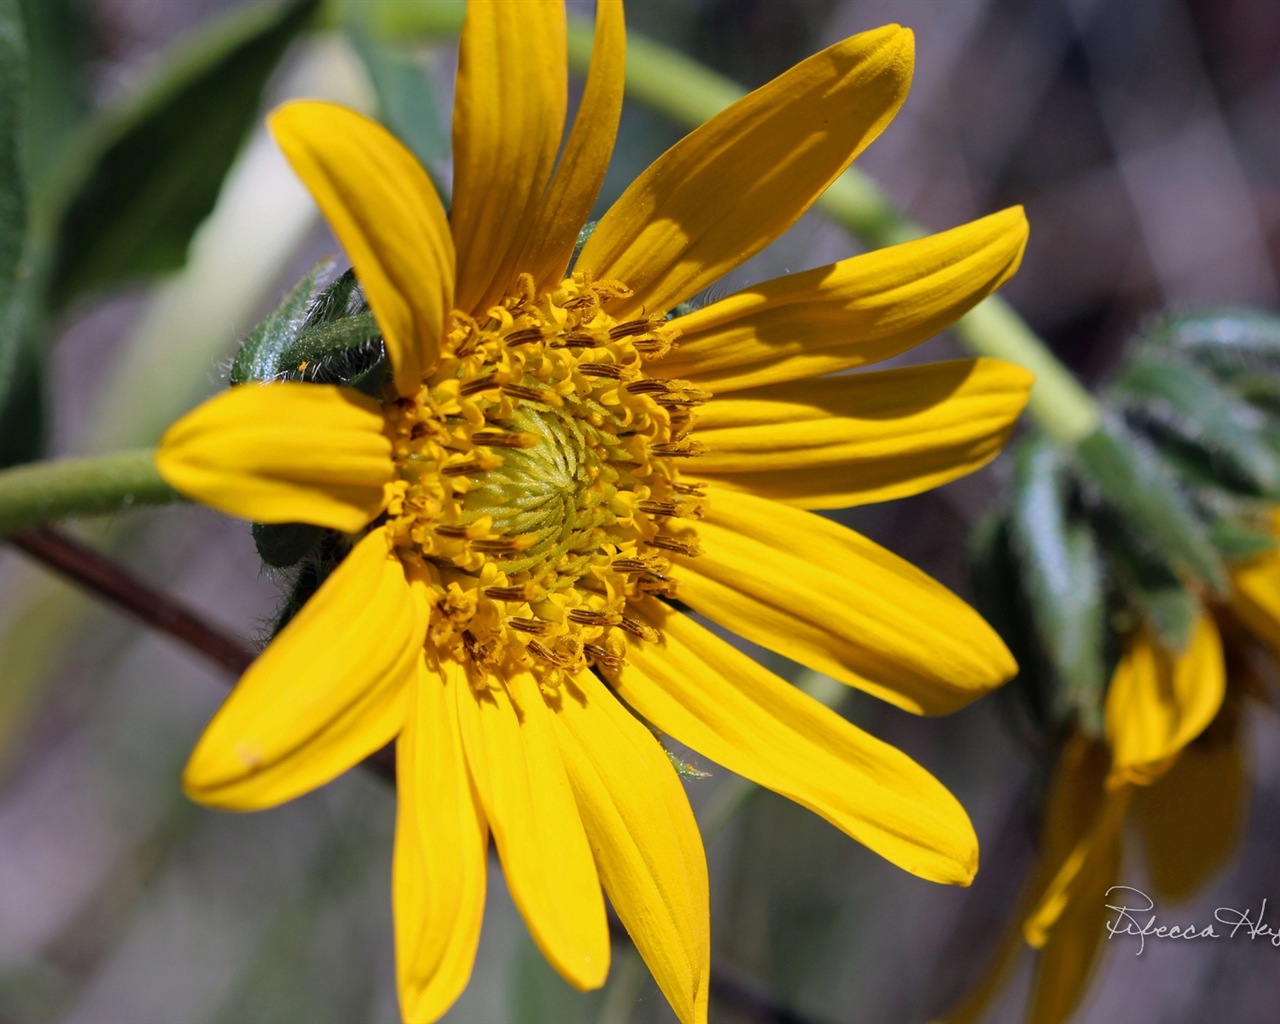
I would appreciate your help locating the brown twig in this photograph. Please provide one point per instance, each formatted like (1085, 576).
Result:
(111, 581)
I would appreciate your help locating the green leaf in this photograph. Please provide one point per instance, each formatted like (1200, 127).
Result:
(1120, 471)
(1223, 432)
(58, 37)
(407, 103)
(21, 366)
(996, 579)
(156, 165)
(1155, 591)
(1224, 340)
(1237, 541)
(1062, 578)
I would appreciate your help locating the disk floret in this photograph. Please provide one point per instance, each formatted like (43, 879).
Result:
(538, 488)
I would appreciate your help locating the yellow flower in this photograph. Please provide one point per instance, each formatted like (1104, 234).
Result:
(1170, 761)
(528, 491)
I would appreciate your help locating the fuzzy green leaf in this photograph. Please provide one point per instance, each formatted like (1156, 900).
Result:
(156, 165)
(1185, 407)
(1134, 488)
(1224, 340)
(1061, 576)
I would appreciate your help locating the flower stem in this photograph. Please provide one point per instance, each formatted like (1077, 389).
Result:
(43, 492)
(689, 93)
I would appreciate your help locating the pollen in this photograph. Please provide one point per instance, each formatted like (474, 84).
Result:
(538, 491)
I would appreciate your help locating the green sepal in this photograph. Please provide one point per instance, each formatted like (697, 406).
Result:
(1217, 429)
(1154, 590)
(305, 577)
(152, 169)
(282, 545)
(1120, 472)
(1225, 340)
(1238, 542)
(996, 579)
(1062, 577)
(261, 354)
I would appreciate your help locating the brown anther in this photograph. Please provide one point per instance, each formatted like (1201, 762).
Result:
(631, 328)
(658, 508)
(506, 593)
(587, 617)
(535, 626)
(697, 490)
(678, 449)
(554, 657)
(523, 337)
(462, 468)
(504, 439)
(579, 341)
(654, 583)
(449, 531)
(472, 387)
(683, 547)
(649, 386)
(601, 370)
(640, 629)
(497, 545)
(544, 396)
(472, 645)
(599, 655)
(627, 565)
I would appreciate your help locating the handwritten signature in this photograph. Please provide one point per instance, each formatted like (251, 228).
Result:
(1135, 914)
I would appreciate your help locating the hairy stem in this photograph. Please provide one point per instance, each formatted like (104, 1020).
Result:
(43, 492)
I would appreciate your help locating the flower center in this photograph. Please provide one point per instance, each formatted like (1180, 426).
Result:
(538, 486)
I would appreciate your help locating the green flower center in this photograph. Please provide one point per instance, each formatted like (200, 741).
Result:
(539, 490)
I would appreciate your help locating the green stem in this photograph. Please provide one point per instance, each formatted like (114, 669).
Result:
(43, 492)
(689, 93)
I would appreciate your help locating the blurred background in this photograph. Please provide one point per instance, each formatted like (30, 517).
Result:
(1144, 141)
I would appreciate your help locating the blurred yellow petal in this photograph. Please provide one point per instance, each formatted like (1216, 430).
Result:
(508, 118)
(281, 453)
(828, 598)
(1255, 597)
(857, 438)
(1159, 702)
(438, 872)
(385, 212)
(848, 314)
(735, 184)
(645, 839)
(713, 698)
(519, 773)
(1191, 818)
(1066, 961)
(1096, 845)
(327, 692)
(580, 172)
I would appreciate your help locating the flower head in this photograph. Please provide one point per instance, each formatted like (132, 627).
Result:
(554, 457)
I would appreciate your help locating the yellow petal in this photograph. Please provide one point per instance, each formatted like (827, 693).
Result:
(438, 872)
(384, 210)
(857, 438)
(281, 453)
(854, 312)
(645, 839)
(828, 598)
(1097, 846)
(508, 118)
(713, 698)
(1255, 597)
(580, 173)
(519, 774)
(1158, 702)
(327, 692)
(1067, 958)
(1192, 817)
(734, 185)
